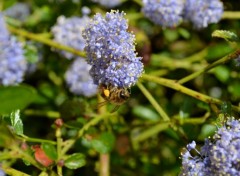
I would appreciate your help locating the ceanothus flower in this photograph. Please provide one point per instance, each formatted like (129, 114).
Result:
(2, 173)
(78, 79)
(12, 62)
(68, 31)
(3, 29)
(166, 13)
(111, 51)
(108, 3)
(219, 156)
(202, 12)
(18, 11)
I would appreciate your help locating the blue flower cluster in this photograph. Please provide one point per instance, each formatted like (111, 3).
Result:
(111, 51)
(108, 3)
(202, 12)
(170, 13)
(68, 32)
(12, 62)
(2, 173)
(218, 157)
(167, 13)
(18, 11)
(78, 79)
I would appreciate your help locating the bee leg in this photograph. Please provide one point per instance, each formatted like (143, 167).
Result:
(115, 109)
(101, 104)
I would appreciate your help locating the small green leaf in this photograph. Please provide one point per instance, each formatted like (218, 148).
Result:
(145, 113)
(39, 15)
(222, 73)
(31, 53)
(16, 122)
(184, 33)
(226, 108)
(227, 35)
(234, 88)
(75, 161)
(207, 130)
(217, 51)
(15, 97)
(104, 143)
(26, 162)
(50, 150)
(6, 137)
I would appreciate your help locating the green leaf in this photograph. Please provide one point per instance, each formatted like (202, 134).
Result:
(206, 131)
(217, 51)
(222, 73)
(6, 137)
(227, 35)
(184, 33)
(16, 122)
(226, 108)
(104, 143)
(15, 97)
(145, 113)
(50, 150)
(75, 161)
(39, 15)
(234, 89)
(31, 53)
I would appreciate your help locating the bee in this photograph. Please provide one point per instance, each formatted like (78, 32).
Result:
(113, 95)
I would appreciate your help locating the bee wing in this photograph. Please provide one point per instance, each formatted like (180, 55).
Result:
(115, 108)
(99, 105)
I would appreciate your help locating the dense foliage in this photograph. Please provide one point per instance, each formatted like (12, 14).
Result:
(68, 67)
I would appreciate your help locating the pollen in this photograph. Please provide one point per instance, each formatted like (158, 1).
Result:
(106, 92)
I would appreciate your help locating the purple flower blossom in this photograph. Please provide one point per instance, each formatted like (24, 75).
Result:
(12, 62)
(68, 31)
(2, 173)
(111, 52)
(217, 157)
(201, 12)
(3, 29)
(78, 79)
(167, 13)
(18, 11)
(108, 3)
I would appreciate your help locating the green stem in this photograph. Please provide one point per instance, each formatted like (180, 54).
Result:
(178, 87)
(59, 149)
(29, 139)
(151, 131)
(39, 38)
(13, 172)
(155, 104)
(104, 160)
(231, 15)
(197, 56)
(7, 155)
(68, 143)
(49, 114)
(139, 2)
(209, 67)
(193, 120)
(19, 153)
